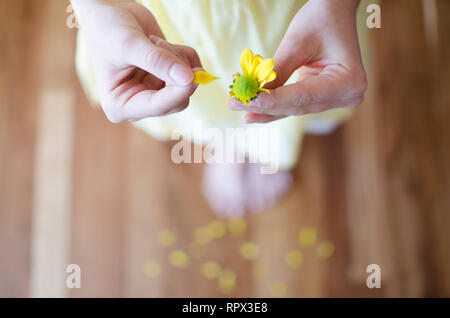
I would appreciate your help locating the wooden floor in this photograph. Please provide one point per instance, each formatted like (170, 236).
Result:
(75, 189)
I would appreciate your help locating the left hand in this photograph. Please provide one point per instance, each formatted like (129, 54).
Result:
(322, 43)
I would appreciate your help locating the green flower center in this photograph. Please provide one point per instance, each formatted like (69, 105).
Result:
(245, 88)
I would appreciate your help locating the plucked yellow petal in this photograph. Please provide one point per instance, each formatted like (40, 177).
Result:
(203, 77)
(246, 61)
(264, 69)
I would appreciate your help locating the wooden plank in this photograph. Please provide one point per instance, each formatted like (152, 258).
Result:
(163, 196)
(98, 215)
(408, 143)
(17, 130)
(52, 199)
(437, 219)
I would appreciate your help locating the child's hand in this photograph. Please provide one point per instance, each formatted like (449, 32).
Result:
(322, 43)
(139, 74)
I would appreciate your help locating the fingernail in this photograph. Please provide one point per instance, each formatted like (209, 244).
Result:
(181, 74)
(158, 41)
(154, 39)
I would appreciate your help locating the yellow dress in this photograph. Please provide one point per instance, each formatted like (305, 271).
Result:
(219, 30)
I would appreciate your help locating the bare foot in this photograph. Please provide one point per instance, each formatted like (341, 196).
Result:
(264, 190)
(230, 189)
(223, 188)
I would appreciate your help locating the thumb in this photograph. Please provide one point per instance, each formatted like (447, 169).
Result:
(165, 65)
(288, 58)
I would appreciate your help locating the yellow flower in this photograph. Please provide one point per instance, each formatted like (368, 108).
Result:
(257, 73)
(203, 77)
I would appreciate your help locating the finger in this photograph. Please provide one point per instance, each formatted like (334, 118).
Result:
(291, 111)
(305, 72)
(334, 85)
(160, 42)
(180, 108)
(141, 52)
(148, 103)
(150, 81)
(153, 82)
(290, 56)
(236, 105)
(186, 53)
(312, 90)
(252, 118)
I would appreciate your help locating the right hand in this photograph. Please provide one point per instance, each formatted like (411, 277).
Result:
(139, 74)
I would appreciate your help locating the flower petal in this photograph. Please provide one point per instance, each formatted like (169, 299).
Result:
(264, 69)
(246, 61)
(203, 77)
(271, 77)
(257, 59)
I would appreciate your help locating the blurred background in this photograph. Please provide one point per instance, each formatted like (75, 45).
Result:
(75, 189)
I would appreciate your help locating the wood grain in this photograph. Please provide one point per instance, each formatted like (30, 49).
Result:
(377, 188)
